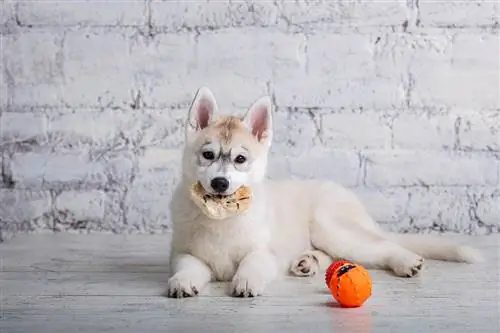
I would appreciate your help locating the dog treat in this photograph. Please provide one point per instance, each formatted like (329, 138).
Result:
(219, 207)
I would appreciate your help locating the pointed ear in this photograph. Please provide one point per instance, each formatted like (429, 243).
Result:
(201, 110)
(259, 119)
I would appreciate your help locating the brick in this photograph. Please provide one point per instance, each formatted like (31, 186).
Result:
(480, 131)
(33, 57)
(424, 131)
(345, 13)
(92, 210)
(148, 198)
(341, 166)
(163, 128)
(35, 170)
(350, 56)
(119, 166)
(81, 205)
(147, 205)
(7, 9)
(356, 130)
(163, 70)
(294, 132)
(485, 210)
(214, 62)
(114, 213)
(100, 128)
(26, 97)
(69, 169)
(82, 13)
(98, 68)
(438, 209)
(419, 209)
(229, 103)
(32, 69)
(399, 50)
(346, 75)
(116, 129)
(470, 50)
(23, 205)
(271, 50)
(385, 205)
(6, 84)
(450, 14)
(410, 168)
(22, 127)
(152, 71)
(157, 159)
(223, 66)
(460, 72)
(179, 15)
(328, 92)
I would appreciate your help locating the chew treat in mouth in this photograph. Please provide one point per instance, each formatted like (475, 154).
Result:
(219, 207)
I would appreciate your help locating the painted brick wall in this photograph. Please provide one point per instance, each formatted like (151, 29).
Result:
(397, 99)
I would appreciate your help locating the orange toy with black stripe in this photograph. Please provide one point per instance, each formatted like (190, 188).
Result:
(349, 283)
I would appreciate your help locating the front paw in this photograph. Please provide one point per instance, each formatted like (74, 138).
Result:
(249, 286)
(180, 287)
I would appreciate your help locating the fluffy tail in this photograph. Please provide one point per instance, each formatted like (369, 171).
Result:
(437, 248)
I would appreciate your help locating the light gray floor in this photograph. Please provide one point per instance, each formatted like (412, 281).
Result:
(108, 283)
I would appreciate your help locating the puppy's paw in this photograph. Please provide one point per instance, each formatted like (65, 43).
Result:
(408, 266)
(180, 287)
(306, 265)
(247, 286)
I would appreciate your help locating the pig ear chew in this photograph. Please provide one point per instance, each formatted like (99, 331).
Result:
(201, 110)
(259, 119)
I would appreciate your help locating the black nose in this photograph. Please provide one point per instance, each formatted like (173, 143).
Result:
(219, 184)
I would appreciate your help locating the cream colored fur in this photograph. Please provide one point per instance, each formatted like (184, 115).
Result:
(295, 227)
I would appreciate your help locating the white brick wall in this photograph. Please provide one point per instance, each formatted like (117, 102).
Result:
(397, 99)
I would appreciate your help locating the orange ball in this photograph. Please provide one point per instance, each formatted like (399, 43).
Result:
(350, 284)
(331, 269)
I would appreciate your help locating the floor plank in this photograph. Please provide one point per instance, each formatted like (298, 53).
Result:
(114, 283)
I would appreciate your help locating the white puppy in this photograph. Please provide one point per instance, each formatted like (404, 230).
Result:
(295, 227)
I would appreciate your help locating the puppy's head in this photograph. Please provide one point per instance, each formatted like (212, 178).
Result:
(226, 152)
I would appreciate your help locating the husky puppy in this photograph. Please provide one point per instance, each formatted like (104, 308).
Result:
(295, 227)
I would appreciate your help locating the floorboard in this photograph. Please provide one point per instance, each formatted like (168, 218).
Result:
(114, 283)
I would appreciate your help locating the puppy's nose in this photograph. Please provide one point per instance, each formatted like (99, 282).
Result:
(219, 184)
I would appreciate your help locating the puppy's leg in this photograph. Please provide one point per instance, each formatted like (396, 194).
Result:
(310, 262)
(352, 241)
(189, 278)
(255, 270)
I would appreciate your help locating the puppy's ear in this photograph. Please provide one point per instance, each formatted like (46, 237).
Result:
(202, 109)
(259, 119)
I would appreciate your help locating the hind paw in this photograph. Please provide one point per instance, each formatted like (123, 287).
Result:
(306, 265)
(409, 267)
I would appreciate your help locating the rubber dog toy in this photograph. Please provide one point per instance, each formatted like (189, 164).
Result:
(350, 284)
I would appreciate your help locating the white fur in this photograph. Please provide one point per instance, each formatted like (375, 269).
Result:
(295, 227)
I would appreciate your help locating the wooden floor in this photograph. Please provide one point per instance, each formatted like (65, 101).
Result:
(108, 283)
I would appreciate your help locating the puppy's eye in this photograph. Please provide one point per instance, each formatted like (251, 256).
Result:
(208, 155)
(240, 159)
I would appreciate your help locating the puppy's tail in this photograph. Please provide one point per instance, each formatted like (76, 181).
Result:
(437, 248)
